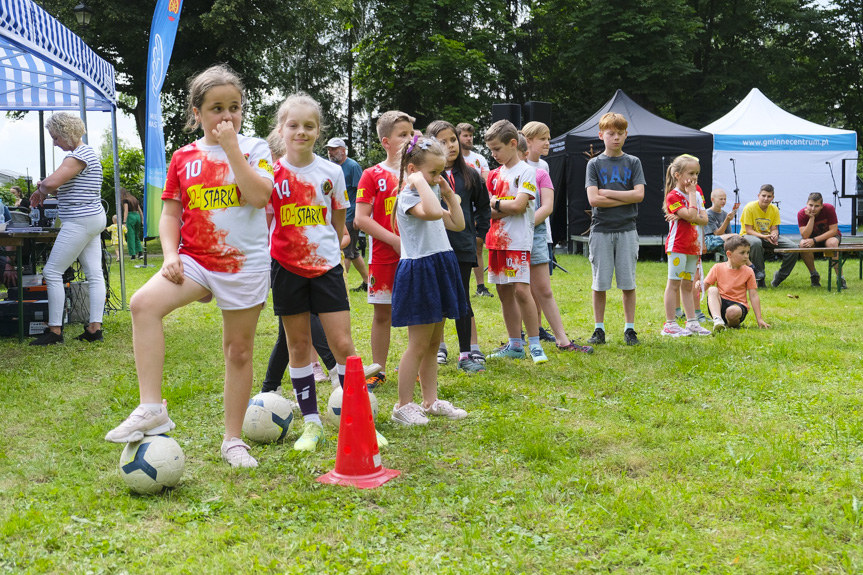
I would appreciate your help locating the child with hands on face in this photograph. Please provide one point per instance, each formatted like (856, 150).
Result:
(213, 232)
(683, 244)
(427, 287)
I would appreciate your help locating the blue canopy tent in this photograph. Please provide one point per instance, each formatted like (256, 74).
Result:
(44, 66)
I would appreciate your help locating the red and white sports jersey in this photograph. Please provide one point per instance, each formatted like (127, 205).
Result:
(302, 237)
(379, 186)
(683, 237)
(220, 230)
(513, 232)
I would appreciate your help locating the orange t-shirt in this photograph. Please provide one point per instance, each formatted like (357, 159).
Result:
(732, 284)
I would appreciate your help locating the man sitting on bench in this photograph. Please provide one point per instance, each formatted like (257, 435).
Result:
(760, 223)
(819, 228)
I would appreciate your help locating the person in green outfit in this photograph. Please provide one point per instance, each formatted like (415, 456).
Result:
(133, 219)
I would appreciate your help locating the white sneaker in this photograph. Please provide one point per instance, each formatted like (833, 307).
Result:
(334, 378)
(441, 356)
(409, 414)
(674, 330)
(718, 325)
(142, 422)
(319, 372)
(445, 409)
(236, 453)
(696, 329)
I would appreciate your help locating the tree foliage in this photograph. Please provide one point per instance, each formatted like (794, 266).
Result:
(131, 161)
(688, 60)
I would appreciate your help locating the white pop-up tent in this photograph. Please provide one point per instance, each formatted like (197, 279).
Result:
(764, 144)
(44, 66)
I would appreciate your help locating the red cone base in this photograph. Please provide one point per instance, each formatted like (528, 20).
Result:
(358, 461)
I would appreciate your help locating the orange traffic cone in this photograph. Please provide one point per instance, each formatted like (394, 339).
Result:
(358, 461)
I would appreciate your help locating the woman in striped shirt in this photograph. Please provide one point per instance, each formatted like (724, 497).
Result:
(77, 183)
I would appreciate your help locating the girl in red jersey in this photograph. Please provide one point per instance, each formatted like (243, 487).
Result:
(309, 200)
(214, 240)
(683, 244)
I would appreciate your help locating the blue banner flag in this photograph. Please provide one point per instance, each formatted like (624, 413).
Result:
(162, 33)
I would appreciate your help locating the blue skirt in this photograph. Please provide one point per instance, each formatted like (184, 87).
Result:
(427, 290)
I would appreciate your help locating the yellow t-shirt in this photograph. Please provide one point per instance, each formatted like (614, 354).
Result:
(759, 219)
(113, 229)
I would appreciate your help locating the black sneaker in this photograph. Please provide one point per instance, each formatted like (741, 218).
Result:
(630, 337)
(362, 287)
(48, 338)
(815, 280)
(91, 337)
(598, 337)
(776, 280)
(759, 274)
(482, 291)
(545, 336)
(760, 283)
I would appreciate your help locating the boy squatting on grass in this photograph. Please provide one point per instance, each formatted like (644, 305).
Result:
(727, 284)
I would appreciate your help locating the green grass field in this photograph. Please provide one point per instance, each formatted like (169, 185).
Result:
(735, 453)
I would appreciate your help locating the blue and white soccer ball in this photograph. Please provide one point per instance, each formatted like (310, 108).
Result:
(268, 418)
(153, 464)
(334, 406)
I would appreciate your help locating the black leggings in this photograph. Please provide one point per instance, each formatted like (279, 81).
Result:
(279, 357)
(462, 324)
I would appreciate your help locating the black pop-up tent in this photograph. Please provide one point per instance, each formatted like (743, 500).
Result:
(654, 140)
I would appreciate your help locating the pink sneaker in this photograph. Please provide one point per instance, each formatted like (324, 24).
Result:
(142, 422)
(319, 372)
(674, 330)
(696, 329)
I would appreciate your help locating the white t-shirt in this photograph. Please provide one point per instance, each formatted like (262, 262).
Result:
(476, 161)
(513, 232)
(302, 237)
(220, 230)
(419, 238)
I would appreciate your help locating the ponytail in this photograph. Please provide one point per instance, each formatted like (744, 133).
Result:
(679, 164)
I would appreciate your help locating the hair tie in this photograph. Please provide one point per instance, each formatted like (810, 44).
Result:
(413, 143)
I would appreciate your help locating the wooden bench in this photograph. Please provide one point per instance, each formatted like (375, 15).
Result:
(842, 250)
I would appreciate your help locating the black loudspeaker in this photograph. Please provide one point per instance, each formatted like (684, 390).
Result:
(538, 112)
(511, 112)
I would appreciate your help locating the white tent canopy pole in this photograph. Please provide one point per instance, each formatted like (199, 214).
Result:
(44, 66)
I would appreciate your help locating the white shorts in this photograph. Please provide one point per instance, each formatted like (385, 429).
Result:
(232, 291)
(682, 266)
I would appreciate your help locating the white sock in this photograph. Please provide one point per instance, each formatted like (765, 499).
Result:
(154, 407)
(313, 417)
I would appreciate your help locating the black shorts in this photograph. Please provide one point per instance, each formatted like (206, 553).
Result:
(352, 250)
(824, 243)
(727, 303)
(294, 294)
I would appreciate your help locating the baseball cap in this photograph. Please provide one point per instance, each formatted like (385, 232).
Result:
(336, 143)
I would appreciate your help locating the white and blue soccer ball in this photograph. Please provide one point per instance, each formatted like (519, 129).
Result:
(268, 418)
(334, 406)
(153, 464)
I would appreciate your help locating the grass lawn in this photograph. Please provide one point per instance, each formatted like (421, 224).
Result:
(734, 453)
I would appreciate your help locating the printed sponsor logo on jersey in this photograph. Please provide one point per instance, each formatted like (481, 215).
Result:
(213, 198)
(265, 165)
(294, 215)
(327, 187)
(478, 166)
(529, 186)
(389, 204)
(675, 206)
(506, 198)
(361, 193)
